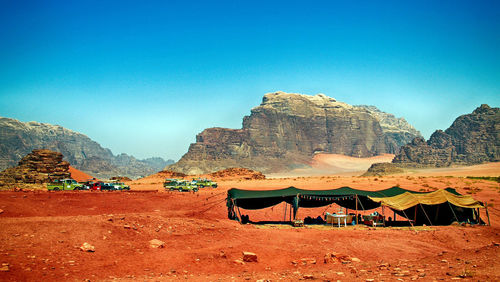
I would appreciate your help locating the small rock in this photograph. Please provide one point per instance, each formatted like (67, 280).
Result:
(1, 211)
(306, 261)
(4, 267)
(222, 254)
(126, 226)
(308, 276)
(355, 260)
(249, 257)
(239, 261)
(493, 243)
(155, 243)
(369, 280)
(86, 247)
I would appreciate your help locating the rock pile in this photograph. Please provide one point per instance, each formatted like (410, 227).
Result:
(379, 169)
(40, 166)
(238, 173)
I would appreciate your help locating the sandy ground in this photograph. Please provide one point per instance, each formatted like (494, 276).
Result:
(41, 233)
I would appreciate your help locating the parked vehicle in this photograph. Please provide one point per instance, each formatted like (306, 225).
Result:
(108, 187)
(120, 186)
(203, 182)
(64, 184)
(179, 185)
(95, 186)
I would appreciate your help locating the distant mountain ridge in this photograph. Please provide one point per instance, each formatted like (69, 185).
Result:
(471, 139)
(19, 138)
(287, 129)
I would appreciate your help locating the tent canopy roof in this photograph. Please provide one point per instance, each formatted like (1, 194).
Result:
(235, 193)
(408, 200)
(258, 199)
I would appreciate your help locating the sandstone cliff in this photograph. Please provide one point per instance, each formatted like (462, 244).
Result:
(19, 138)
(471, 139)
(40, 166)
(286, 130)
(398, 131)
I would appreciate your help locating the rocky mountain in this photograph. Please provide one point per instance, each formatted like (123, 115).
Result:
(471, 139)
(39, 166)
(398, 131)
(19, 138)
(286, 130)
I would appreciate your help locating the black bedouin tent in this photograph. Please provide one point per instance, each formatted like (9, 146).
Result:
(346, 197)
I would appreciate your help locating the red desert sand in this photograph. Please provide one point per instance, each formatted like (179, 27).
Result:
(42, 234)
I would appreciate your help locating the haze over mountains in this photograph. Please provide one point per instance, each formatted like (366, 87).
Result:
(19, 138)
(283, 133)
(287, 129)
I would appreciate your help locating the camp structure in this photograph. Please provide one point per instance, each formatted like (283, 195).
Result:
(435, 208)
(433, 211)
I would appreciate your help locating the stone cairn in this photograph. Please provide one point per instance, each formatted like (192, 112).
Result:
(40, 166)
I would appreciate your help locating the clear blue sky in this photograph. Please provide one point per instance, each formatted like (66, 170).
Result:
(145, 78)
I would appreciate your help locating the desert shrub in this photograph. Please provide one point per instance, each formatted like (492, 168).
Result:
(489, 178)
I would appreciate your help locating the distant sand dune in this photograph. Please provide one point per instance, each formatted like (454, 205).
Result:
(487, 169)
(335, 164)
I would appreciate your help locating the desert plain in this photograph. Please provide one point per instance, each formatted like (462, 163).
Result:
(41, 234)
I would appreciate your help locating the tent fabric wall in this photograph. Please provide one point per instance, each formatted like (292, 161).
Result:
(435, 208)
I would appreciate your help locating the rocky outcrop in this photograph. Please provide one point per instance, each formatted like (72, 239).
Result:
(398, 132)
(19, 138)
(380, 169)
(238, 173)
(40, 166)
(286, 130)
(471, 139)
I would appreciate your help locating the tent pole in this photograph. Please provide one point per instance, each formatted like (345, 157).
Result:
(409, 221)
(290, 213)
(451, 208)
(284, 217)
(357, 209)
(415, 218)
(239, 213)
(487, 214)
(478, 218)
(426, 215)
(383, 214)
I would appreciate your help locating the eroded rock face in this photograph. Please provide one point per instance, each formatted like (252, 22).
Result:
(286, 130)
(40, 166)
(19, 138)
(471, 139)
(398, 131)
